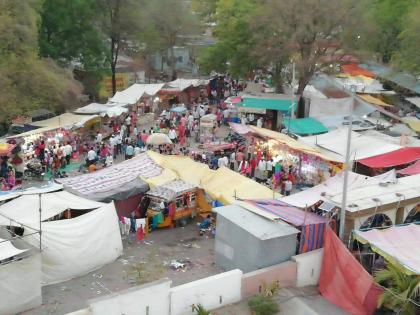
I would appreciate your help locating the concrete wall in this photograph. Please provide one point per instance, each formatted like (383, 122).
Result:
(284, 274)
(236, 248)
(308, 267)
(148, 299)
(211, 292)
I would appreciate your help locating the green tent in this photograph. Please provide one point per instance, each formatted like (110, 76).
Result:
(267, 103)
(305, 126)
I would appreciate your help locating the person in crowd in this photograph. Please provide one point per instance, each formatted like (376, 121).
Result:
(172, 135)
(109, 160)
(68, 150)
(232, 160)
(99, 137)
(129, 151)
(288, 186)
(91, 157)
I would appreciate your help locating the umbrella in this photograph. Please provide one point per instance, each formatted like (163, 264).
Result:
(158, 139)
(6, 148)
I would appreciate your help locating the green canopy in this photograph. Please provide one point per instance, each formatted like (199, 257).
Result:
(266, 103)
(305, 126)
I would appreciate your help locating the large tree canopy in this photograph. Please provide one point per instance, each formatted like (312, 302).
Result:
(26, 81)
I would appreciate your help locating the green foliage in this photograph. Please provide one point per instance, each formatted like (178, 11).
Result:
(263, 305)
(233, 50)
(205, 8)
(26, 81)
(400, 289)
(68, 33)
(200, 310)
(408, 56)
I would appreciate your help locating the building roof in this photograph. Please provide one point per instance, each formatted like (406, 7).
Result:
(305, 126)
(254, 224)
(393, 158)
(266, 103)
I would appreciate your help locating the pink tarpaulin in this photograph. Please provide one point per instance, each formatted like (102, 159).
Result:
(397, 243)
(343, 281)
(218, 147)
(394, 158)
(287, 213)
(411, 170)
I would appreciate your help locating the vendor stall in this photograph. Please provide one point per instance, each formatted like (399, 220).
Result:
(207, 124)
(173, 201)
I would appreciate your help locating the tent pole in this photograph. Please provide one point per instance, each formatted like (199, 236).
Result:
(40, 232)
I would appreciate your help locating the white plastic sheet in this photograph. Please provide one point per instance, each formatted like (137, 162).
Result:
(7, 250)
(20, 285)
(74, 247)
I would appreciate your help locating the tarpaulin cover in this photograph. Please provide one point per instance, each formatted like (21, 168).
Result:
(285, 212)
(396, 244)
(415, 125)
(25, 209)
(7, 249)
(410, 170)
(74, 247)
(20, 285)
(50, 187)
(394, 158)
(373, 100)
(240, 129)
(343, 281)
(132, 94)
(266, 103)
(66, 120)
(312, 237)
(305, 126)
(355, 69)
(116, 182)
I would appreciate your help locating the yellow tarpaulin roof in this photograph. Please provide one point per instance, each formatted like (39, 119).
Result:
(373, 100)
(64, 120)
(221, 185)
(415, 125)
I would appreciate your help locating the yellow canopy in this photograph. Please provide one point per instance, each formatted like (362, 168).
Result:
(221, 185)
(375, 101)
(415, 125)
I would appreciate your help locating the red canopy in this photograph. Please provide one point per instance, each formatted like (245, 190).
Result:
(354, 69)
(393, 158)
(411, 170)
(343, 281)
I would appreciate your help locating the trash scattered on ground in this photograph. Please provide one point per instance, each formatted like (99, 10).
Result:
(176, 264)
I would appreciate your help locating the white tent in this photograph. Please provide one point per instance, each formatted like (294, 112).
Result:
(133, 94)
(182, 84)
(361, 146)
(11, 194)
(25, 209)
(70, 247)
(334, 186)
(320, 107)
(7, 250)
(110, 109)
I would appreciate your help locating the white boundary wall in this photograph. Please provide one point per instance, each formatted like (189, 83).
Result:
(308, 267)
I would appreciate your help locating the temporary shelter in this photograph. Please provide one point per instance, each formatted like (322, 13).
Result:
(249, 242)
(375, 101)
(11, 194)
(311, 225)
(414, 100)
(393, 158)
(305, 126)
(6, 148)
(66, 121)
(339, 121)
(320, 107)
(413, 169)
(361, 146)
(70, 247)
(102, 110)
(20, 274)
(183, 84)
(120, 182)
(135, 92)
(260, 105)
(396, 244)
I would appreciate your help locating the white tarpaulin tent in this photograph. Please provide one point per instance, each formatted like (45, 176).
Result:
(20, 285)
(133, 94)
(11, 194)
(182, 84)
(25, 209)
(361, 146)
(66, 121)
(102, 109)
(414, 101)
(70, 247)
(7, 250)
(334, 186)
(320, 107)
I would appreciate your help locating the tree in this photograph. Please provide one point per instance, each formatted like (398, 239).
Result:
(121, 22)
(401, 290)
(27, 81)
(310, 33)
(69, 34)
(408, 56)
(205, 8)
(235, 42)
(171, 24)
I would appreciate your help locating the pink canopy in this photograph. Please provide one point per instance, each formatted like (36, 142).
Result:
(411, 170)
(394, 158)
(236, 100)
(287, 213)
(397, 244)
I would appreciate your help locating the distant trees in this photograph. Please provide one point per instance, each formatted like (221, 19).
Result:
(26, 80)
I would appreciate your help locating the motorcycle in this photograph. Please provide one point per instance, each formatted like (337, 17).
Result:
(34, 169)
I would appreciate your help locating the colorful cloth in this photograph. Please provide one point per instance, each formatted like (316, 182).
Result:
(312, 237)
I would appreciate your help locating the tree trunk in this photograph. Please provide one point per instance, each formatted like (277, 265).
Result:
(172, 62)
(114, 58)
(303, 82)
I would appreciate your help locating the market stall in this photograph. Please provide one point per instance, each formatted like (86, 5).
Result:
(207, 124)
(171, 202)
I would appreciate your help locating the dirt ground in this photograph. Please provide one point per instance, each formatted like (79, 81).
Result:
(140, 263)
